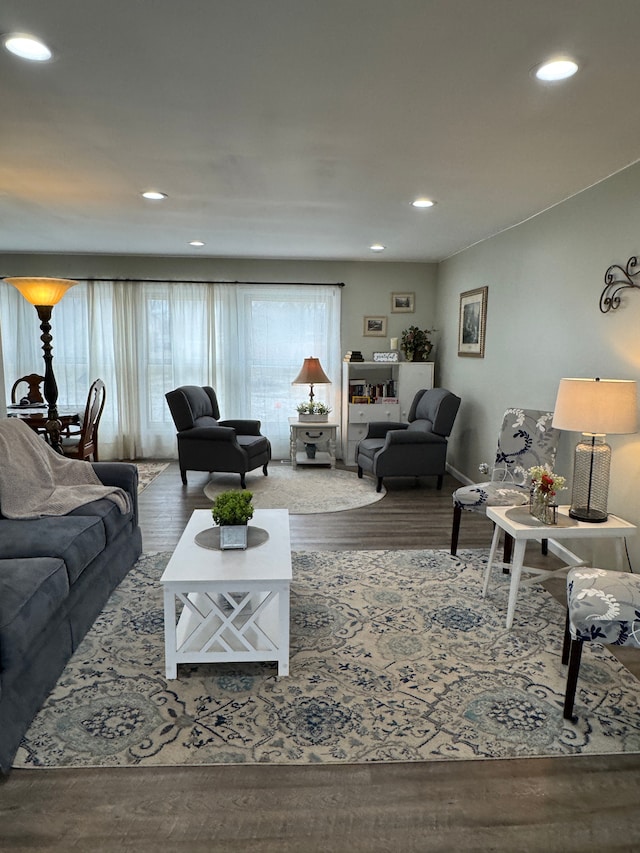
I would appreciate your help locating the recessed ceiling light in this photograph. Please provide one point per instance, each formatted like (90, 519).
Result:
(196, 243)
(154, 195)
(423, 202)
(377, 247)
(27, 47)
(557, 69)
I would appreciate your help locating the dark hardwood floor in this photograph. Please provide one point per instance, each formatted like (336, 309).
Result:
(407, 517)
(564, 804)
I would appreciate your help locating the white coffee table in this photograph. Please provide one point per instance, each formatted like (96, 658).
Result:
(517, 522)
(235, 603)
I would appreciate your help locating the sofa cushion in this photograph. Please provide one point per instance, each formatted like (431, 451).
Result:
(418, 434)
(254, 445)
(205, 421)
(75, 539)
(114, 521)
(420, 426)
(31, 591)
(370, 446)
(426, 410)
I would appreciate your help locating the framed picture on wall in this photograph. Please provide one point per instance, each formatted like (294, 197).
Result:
(472, 322)
(403, 303)
(375, 327)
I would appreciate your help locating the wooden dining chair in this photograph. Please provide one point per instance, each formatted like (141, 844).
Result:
(34, 394)
(83, 442)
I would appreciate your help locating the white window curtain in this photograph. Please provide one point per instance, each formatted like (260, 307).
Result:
(145, 338)
(263, 334)
(164, 335)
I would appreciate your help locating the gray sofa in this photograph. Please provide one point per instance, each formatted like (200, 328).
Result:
(414, 449)
(56, 573)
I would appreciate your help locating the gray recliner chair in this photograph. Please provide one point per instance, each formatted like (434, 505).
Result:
(414, 449)
(205, 443)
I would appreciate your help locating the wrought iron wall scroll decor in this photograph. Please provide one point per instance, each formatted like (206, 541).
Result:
(616, 279)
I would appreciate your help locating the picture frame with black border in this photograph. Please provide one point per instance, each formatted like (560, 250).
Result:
(472, 322)
(403, 303)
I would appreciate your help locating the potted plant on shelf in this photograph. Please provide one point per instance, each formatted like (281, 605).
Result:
(416, 344)
(232, 511)
(313, 412)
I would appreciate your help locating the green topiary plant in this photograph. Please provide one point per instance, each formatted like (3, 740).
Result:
(312, 409)
(232, 508)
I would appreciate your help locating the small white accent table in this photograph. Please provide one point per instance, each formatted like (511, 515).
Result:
(235, 602)
(517, 522)
(312, 432)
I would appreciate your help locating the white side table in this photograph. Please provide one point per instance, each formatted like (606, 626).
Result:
(517, 522)
(312, 433)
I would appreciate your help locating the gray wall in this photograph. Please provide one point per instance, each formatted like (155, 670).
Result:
(543, 323)
(368, 285)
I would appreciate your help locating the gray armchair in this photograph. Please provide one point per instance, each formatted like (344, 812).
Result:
(206, 443)
(414, 449)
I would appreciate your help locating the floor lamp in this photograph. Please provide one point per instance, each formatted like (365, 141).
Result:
(43, 294)
(594, 407)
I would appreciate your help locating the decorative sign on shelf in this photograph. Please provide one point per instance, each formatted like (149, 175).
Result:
(386, 357)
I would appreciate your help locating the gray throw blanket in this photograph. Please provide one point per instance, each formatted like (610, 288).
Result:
(36, 481)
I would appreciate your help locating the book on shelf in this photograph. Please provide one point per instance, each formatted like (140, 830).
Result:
(376, 392)
(353, 355)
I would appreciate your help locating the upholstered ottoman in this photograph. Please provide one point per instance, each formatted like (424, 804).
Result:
(602, 607)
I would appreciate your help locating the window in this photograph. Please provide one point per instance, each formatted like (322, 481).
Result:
(144, 338)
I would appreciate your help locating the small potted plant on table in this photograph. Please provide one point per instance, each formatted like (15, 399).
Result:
(232, 511)
(313, 412)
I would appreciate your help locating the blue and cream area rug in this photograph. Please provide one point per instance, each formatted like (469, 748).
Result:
(394, 657)
(148, 471)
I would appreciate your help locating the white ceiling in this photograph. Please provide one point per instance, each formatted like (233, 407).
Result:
(305, 128)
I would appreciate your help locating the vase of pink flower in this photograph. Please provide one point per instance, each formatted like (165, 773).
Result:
(545, 485)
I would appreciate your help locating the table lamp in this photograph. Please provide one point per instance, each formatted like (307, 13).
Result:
(594, 407)
(311, 373)
(43, 294)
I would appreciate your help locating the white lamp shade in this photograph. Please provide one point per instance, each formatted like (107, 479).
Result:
(597, 406)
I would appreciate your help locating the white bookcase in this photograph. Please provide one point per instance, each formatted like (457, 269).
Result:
(373, 380)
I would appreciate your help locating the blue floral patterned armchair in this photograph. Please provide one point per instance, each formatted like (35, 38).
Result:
(602, 607)
(526, 439)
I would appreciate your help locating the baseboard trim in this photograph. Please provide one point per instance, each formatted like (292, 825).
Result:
(459, 475)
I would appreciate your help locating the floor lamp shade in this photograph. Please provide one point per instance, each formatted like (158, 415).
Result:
(43, 294)
(42, 291)
(594, 407)
(311, 373)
